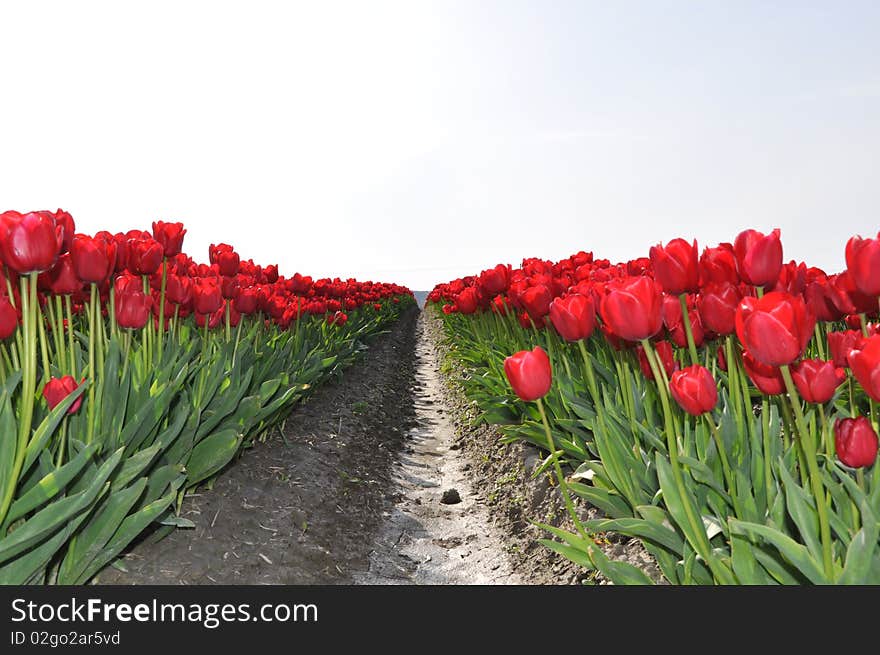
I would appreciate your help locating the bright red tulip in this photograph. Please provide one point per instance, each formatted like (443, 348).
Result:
(31, 242)
(178, 289)
(841, 343)
(63, 280)
(93, 259)
(57, 389)
(758, 257)
(467, 301)
(816, 380)
(144, 256)
(132, 308)
(672, 320)
(536, 301)
(864, 361)
(863, 264)
(855, 441)
(632, 308)
(207, 295)
(495, 280)
(170, 235)
(529, 373)
(775, 329)
(68, 228)
(574, 317)
(8, 318)
(768, 379)
(667, 359)
(339, 318)
(246, 301)
(718, 265)
(675, 266)
(694, 389)
(718, 302)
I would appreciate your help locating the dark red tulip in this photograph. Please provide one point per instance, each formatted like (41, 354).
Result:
(529, 373)
(228, 262)
(768, 379)
(339, 318)
(246, 301)
(718, 265)
(775, 329)
(68, 228)
(841, 343)
(675, 266)
(170, 235)
(863, 264)
(144, 256)
(536, 301)
(495, 280)
(467, 301)
(574, 317)
(178, 289)
(30, 243)
(271, 273)
(667, 359)
(57, 389)
(855, 441)
(8, 318)
(816, 380)
(718, 302)
(93, 259)
(132, 308)
(62, 279)
(207, 296)
(632, 308)
(864, 361)
(758, 257)
(823, 299)
(229, 287)
(694, 389)
(722, 358)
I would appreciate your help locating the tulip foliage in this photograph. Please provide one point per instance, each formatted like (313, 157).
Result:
(720, 406)
(130, 374)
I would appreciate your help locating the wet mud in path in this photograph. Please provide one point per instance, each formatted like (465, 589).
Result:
(347, 491)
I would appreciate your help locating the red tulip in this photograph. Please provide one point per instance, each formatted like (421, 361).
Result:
(93, 259)
(132, 308)
(841, 343)
(536, 301)
(768, 379)
(8, 318)
(62, 279)
(31, 242)
(178, 289)
(170, 235)
(144, 256)
(775, 329)
(824, 299)
(719, 265)
(722, 358)
(229, 287)
(68, 228)
(855, 441)
(694, 389)
(718, 302)
(339, 318)
(467, 301)
(816, 379)
(207, 296)
(672, 320)
(495, 280)
(529, 373)
(632, 308)
(574, 317)
(667, 359)
(864, 361)
(57, 389)
(246, 301)
(675, 266)
(758, 257)
(863, 264)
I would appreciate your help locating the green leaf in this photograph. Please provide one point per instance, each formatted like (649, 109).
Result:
(211, 454)
(802, 511)
(793, 552)
(864, 551)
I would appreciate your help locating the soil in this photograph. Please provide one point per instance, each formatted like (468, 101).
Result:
(382, 477)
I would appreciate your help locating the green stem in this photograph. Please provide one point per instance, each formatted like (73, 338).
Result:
(686, 321)
(725, 464)
(161, 329)
(93, 374)
(69, 311)
(809, 446)
(44, 344)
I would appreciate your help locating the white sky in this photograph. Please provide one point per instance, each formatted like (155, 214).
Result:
(418, 141)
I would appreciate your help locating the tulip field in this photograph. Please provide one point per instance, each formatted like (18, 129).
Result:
(130, 375)
(719, 406)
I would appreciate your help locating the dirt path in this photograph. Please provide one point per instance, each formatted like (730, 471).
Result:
(347, 492)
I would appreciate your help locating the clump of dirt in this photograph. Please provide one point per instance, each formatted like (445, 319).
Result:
(516, 497)
(305, 506)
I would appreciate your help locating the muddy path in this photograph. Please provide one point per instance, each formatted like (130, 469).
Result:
(348, 491)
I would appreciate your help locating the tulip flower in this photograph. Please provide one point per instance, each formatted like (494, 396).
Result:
(675, 266)
(717, 304)
(57, 389)
(574, 317)
(667, 359)
(467, 301)
(132, 309)
(62, 279)
(768, 379)
(93, 258)
(758, 257)
(673, 322)
(339, 318)
(775, 329)
(68, 228)
(536, 301)
(8, 318)
(863, 264)
(632, 308)
(144, 256)
(30, 243)
(816, 380)
(694, 389)
(529, 373)
(170, 236)
(246, 301)
(207, 295)
(841, 343)
(718, 265)
(178, 289)
(864, 361)
(855, 441)
(495, 280)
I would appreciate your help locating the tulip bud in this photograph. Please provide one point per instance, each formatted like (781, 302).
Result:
(758, 257)
(529, 373)
(855, 442)
(574, 317)
(57, 389)
(694, 389)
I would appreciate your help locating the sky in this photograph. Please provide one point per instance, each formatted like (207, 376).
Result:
(416, 142)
